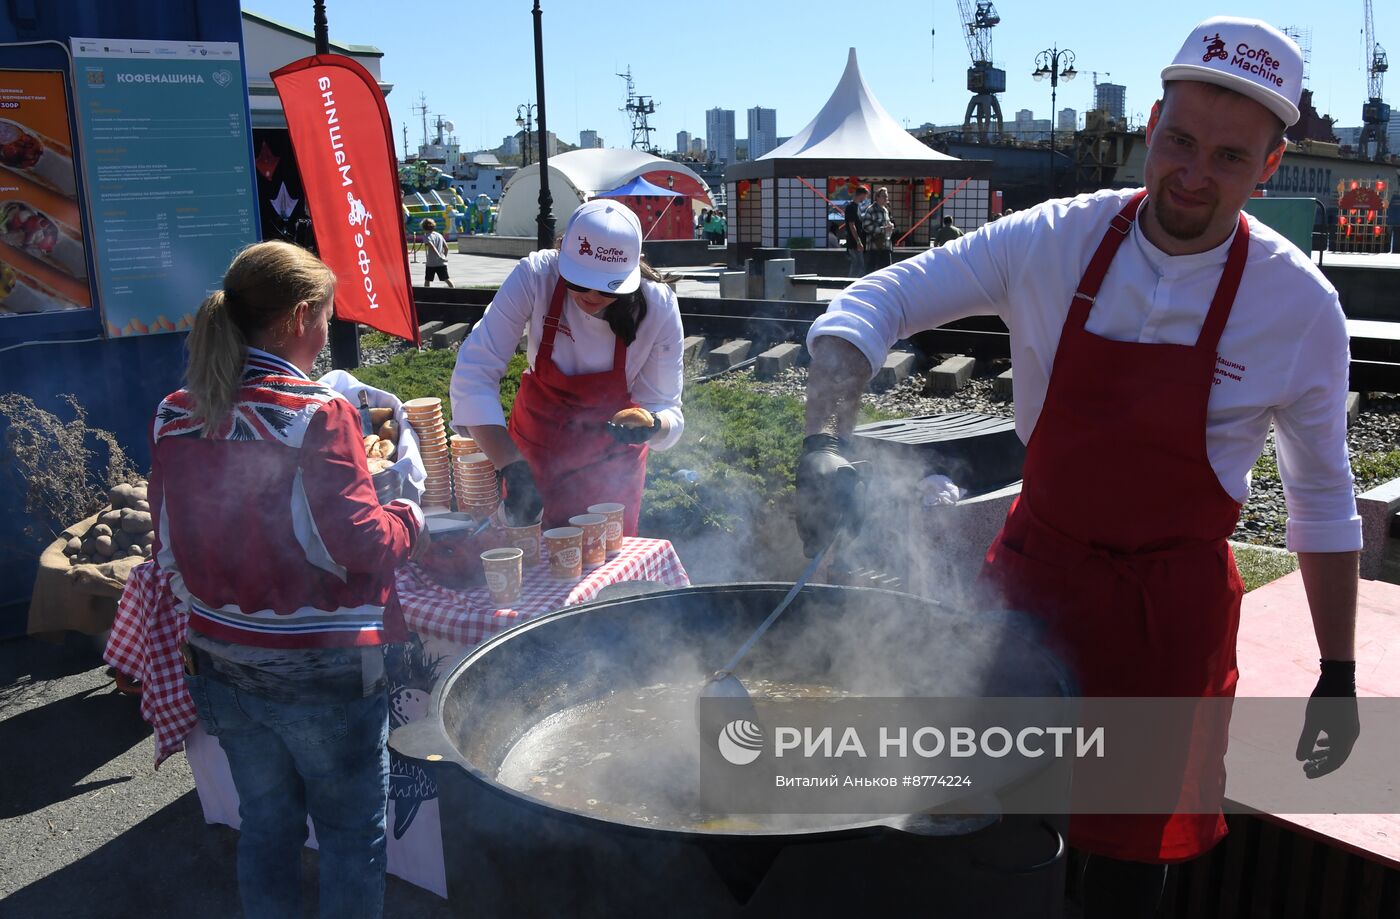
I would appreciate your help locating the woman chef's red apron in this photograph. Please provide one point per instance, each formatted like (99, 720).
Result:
(558, 422)
(1119, 538)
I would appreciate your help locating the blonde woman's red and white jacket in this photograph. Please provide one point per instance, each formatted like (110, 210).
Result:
(270, 527)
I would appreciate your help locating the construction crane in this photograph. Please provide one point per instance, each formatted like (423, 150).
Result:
(983, 80)
(1375, 114)
(637, 109)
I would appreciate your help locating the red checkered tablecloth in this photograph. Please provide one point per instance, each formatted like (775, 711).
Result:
(469, 617)
(145, 644)
(150, 622)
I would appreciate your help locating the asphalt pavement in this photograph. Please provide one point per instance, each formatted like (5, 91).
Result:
(88, 828)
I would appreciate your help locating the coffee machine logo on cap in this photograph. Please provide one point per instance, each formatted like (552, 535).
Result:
(1248, 56)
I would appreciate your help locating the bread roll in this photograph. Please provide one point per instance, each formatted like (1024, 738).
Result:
(377, 416)
(633, 418)
(378, 464)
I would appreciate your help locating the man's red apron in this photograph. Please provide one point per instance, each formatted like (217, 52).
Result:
(558, 424)
(1119, 537)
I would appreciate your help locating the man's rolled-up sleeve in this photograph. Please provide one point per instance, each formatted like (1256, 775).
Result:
(1311, 438)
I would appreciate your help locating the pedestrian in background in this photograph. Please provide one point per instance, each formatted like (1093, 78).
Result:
(947, 232)
(879, 232)
(436, 254)
(855, 233)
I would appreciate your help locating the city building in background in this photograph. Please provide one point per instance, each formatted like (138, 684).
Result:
(763, 131)
(1112, 98)
(697, 147)
(1067, 121)
(589, 139)
(683, 142)
(1028, 127)
(719, 135)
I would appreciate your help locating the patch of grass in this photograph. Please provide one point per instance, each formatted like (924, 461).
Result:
(376, 339)
(1372, 469)
(1259, 566)
(741, 446)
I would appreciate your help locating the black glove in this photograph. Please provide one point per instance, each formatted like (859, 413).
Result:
(522, 499)
(1331, 712)
(625, 435)
(828, 492)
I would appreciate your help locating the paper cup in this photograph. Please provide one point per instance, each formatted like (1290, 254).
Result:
(527, 540)
(595, 538)
(502, 567)
(565, 548)
(613, 511)
(424, 404)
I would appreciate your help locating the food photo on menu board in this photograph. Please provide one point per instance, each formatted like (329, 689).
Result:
(43, 262)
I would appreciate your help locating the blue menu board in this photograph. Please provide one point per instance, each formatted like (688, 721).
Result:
(167, 169)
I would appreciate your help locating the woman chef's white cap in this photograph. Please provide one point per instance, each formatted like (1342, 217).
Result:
(602, 248)
(1246, 55)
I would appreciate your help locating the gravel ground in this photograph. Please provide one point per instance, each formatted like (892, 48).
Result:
(1263, 517)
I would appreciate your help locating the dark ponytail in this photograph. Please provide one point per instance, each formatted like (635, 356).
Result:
(625, 314)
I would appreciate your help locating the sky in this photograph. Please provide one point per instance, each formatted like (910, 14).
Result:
(473, 62)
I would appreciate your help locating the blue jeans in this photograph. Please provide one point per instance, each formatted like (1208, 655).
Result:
(289, 759)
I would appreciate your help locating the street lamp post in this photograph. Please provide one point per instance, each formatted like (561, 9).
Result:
(544, 237)
(523, 113)
(1054, 62)
(344, 336)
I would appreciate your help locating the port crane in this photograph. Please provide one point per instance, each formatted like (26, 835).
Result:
(1375, 114)
(984, 81)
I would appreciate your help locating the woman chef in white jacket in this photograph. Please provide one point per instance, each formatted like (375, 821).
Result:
(604, 337)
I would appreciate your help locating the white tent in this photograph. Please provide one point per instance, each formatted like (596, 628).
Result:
(853, 125)
(579, 175)
(786, 197)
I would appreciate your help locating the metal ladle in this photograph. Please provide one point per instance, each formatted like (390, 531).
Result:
(723, 684)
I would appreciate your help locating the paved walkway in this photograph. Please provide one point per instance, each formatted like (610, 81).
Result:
(89, 828)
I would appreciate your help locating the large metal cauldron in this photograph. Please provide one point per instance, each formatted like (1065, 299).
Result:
(511, 854)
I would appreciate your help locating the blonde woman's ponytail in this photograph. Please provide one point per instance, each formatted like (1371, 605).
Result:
(262, 287)
(217, 350)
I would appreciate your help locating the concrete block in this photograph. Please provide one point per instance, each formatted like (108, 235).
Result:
(777, 359)
(951, 375)
(1375, 508)
(775, 277)
(449, 335)
(426, 330)
(1353, 407)
(803, 292)
(1001, 386)
(898, 365)
(734, 285)
(729, 354)
(694, 348)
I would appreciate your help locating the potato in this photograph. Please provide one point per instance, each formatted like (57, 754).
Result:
(378, 416)
(104, 545)
(121, 539)
(112, 518)
(101, 530)
(138, 492)
(136, 521)
(389, 431)
(141, 506)
(120, 496)
(74, 546)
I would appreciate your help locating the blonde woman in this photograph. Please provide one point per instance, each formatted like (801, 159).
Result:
(266, 516)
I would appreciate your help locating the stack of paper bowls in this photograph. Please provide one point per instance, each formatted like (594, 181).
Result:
(425, 416)
(477, 493)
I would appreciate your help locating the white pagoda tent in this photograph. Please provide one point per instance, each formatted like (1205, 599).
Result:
(785, 197)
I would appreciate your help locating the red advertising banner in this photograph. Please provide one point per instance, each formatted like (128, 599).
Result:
(345, 151)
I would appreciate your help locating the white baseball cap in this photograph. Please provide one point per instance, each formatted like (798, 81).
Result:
(602, 248)
(1246, 55)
